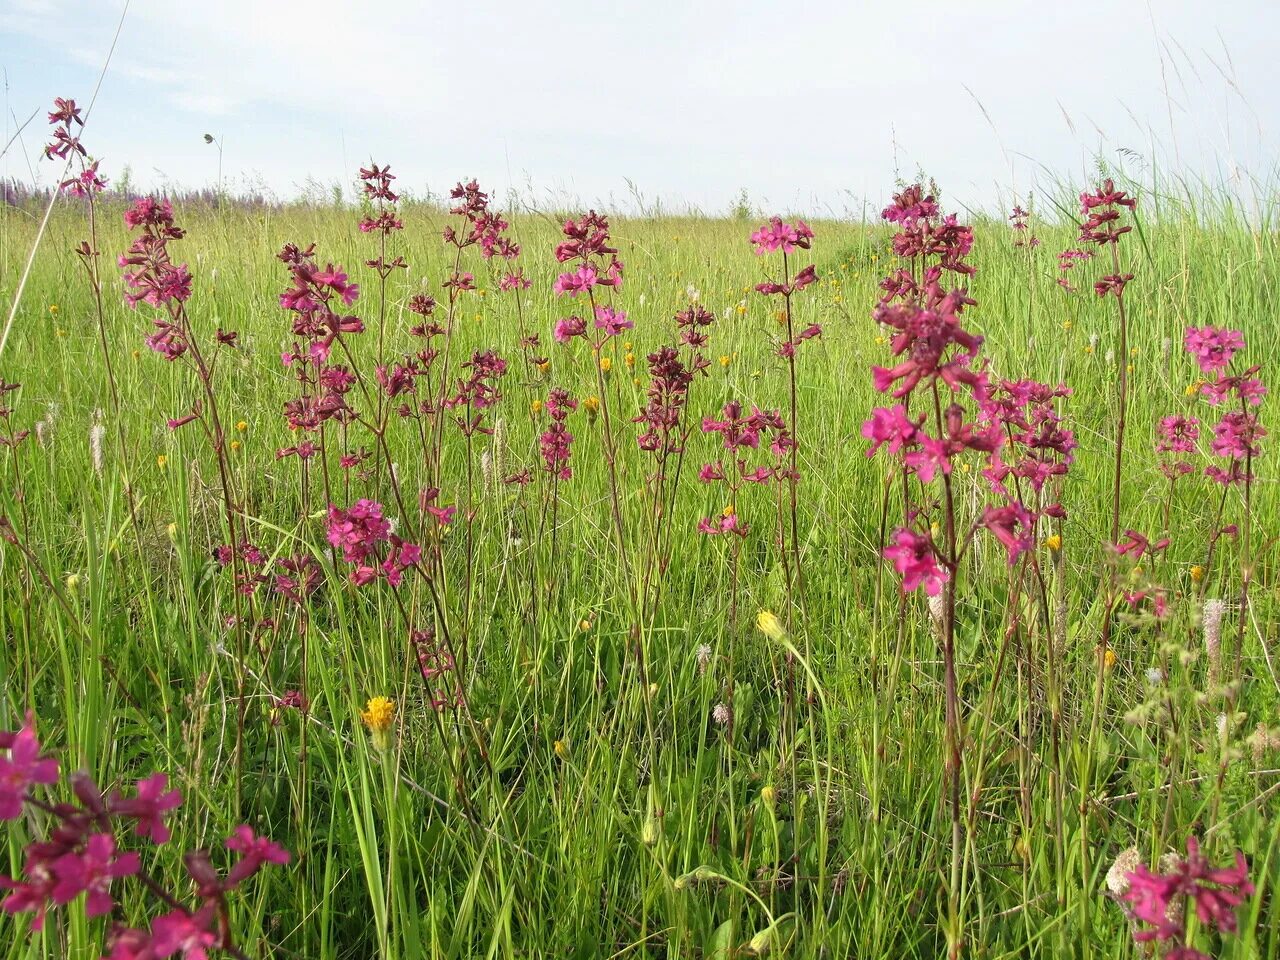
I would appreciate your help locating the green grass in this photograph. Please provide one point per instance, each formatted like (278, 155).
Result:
(823, 811)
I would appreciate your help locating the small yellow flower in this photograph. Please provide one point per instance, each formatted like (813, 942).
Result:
(627, 346)
(584, 625)
(770, 625)
(235, 444)
(72, 582)
(882, 340)
(780, 316)
(1066, 324)
(1109, 659)
(137, 354)
(1088, 348)
(1053, 542)
(536, 407)
(242, 426)
(1133, 351)
(544, 366)
(562, 749)
(637, 381)
(172, 530)
(60, 332)
(934, 528)
(592, 406)
(53, 308)
(727, 511)
(741, 308)
(606, 364)
(1129, 368)
(725, 360)
(377, 715)
(629, 359)
(1197, 573)
(162, 461)
(1193, 388)
(768, 796)
(964, 467)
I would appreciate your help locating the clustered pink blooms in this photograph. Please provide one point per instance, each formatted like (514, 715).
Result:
(481, 226)
(777, 235)
(376, 184)
(1213, 347)
(359, 534)
(82, 855)
(1042, 448)
(1067, 261)
(312, 297)
(555, 442)
(665, 399)
(741, 433)
(1237, 435)
(1018, 223)
(64, 116)
(923, 234)
(1159, 900)
(1102, 215)
(587, 244)
(1176, 435)
(293, 578)
(937, 353)
(151, 277)
(477, 392)
(438, 669)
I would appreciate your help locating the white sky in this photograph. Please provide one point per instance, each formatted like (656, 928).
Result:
(807, 106)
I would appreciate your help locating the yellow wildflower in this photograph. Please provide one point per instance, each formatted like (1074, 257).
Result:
(725, 360)
(606, 364)
(377, 715)
(1109, 660)
(162, 461)
(770, 625)
(1053, 542)
(536, 407)
(242, 426)
(1197, 573)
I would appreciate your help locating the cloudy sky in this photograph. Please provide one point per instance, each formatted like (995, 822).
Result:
(806, 106)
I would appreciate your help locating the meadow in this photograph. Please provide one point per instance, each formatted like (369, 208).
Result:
(499, 693)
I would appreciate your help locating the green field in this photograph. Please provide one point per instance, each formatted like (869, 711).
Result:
(584, 800)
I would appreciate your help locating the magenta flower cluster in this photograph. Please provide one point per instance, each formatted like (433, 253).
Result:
(82, 855)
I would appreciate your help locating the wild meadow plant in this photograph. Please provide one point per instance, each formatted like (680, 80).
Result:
(530, 629)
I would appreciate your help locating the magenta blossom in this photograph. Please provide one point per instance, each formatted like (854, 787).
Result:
(913, 557)
(91, 871)
(23, 768)
(148, 806)
(611, 321)
(1213, 347)
(776, 235)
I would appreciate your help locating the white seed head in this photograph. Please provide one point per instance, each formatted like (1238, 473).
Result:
(1211, 619)
(96, 434)
(1118, 875)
